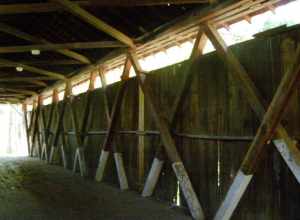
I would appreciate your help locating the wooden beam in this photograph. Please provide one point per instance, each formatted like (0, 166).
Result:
(25, 118)
(158, 161)
(33, 69)
(254, 98)
(46, 63)
(25, 78)
(96, 22)
(49, 47)
(33, 81)
(23, 8)
(168, 143)
(19, 91)
(113, 120)
(256, 102)
(22, 35)
(265, 132)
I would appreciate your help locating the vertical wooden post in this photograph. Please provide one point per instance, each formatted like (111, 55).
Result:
(169, 144)
(141, 139)
(158, 161)
(24, 107)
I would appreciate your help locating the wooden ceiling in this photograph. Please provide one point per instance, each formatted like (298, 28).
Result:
(71, 35)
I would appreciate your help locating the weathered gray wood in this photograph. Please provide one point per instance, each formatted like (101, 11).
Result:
(121, 171)
(152, 177)
(169, 144)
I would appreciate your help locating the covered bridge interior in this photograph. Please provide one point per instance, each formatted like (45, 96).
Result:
(211, 136)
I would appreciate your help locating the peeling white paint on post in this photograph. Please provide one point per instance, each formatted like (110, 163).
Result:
(121, 171)
(101, 166)
(289, 156)
(153, 177)
(75, 162)
(233, 196)
(63, 156)
(82, 163)
(44, 153)
(188, 191)
(52, 151)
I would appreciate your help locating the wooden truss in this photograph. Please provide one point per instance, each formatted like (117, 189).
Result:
(270, 128)
(270, 123)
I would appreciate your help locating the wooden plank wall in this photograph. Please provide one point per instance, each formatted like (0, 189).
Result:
(214, 106)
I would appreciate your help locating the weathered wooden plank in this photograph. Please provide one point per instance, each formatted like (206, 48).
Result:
(269, 121)
(169, 144)
(113, 120)
(61, 113)
(159, 156)
(251, 93)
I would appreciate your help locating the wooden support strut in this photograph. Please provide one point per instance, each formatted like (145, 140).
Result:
(256, 102)
(24, 108)
(84, 125)
(108, 142)
(58, 129)
(35, 129)
(96, 22)
(158, 161)
(22, 35)
(47, 125)
(169, 144)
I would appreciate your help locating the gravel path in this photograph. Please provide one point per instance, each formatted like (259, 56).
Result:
(31, 189)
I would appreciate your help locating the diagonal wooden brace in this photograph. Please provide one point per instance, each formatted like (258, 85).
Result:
(270, 121)
(58, 130)
(158, 161)
(113, 120)
(169, 144)
(254, 98)
(84, 125)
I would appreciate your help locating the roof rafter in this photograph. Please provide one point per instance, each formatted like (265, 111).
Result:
(96, 22)
(22, 8)
(22, 35)
(51, 46)
(24, 79)
(33, 69)
(47, 62)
